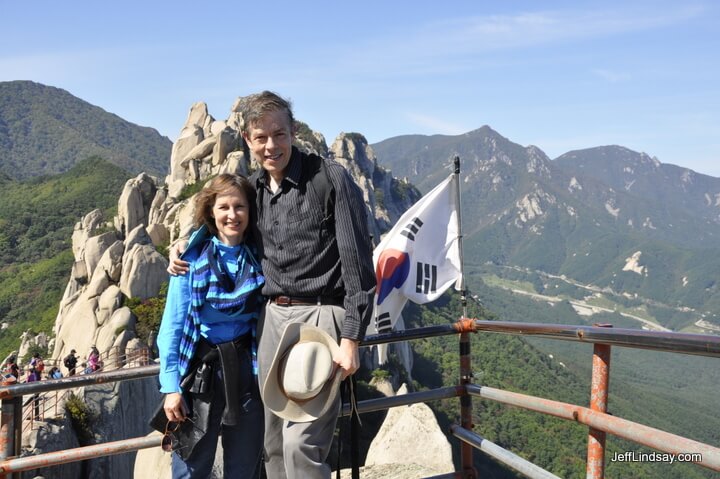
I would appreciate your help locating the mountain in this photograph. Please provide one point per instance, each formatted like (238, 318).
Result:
(37, 218)
(600, 221)
(46, 130)
(509, 191)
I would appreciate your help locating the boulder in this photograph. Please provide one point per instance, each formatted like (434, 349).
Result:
(217, 126)
(190, 136)
(159, 234)
(79, 271)
(411, 434)
(203, 149)
(153, 463)
(107, 271)
(134, 203)
(175, 188)
(122, 411)
(94, 249)
(143, 272)
(113, 338)
(82, 231)
(52, 436)
(225, 144)
(198, 115)
(78, 327)
(110, 301)
(394, 471)
(236, 163)
(159, 207)
(139, 235)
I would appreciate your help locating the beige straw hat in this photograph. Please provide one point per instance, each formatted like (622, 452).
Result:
(303, 380)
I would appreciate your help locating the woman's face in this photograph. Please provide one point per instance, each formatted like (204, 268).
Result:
(231, 213)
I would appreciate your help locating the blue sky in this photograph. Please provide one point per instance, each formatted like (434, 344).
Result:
(558, 75)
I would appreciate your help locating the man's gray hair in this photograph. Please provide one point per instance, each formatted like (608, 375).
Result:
(257, 105)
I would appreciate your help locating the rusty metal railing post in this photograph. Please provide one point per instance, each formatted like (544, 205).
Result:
(9, 438)
(7, 431)
(598, 402)
(466, 450)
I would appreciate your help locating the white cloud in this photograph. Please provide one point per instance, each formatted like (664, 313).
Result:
(412, 48)
(435, 125)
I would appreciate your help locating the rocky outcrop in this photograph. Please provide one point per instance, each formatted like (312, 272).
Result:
(155, 463)
(120, 411)
(50, 436)
(411, 435)
(134, 204)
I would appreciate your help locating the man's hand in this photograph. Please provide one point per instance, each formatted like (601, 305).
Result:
(175, 409)
(178, 266)
(348, 358)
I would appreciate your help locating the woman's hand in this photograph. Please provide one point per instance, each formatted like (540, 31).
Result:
(175, 409)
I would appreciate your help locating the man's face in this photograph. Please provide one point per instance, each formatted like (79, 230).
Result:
(270, 141)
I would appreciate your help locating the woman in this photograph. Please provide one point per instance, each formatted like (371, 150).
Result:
(207, 338)
(93, 361)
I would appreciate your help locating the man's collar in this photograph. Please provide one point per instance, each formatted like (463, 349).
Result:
(294, 167)
(293, 170)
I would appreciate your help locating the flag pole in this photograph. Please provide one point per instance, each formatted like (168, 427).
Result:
(466, 450)
(461, 281)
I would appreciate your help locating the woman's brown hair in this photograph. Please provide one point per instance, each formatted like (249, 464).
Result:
(205, 200)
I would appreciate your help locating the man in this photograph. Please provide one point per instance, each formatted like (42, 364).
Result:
(70, 362)
(318, 270)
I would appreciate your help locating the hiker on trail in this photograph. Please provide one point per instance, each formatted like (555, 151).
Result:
(93, 360)
(12, 368)
(37, 366)
(70, 362)
(32, 376)
(54, 373)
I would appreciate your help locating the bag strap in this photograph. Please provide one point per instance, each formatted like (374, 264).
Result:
(347, 394)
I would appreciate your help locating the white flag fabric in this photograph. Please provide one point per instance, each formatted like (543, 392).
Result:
(419, 258)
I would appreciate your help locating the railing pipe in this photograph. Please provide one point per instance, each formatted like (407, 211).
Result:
(502, 455)
(698, 344)
(78, 454)
(595, 466)
(416, 333)
(379, 404)
(639, 433)
(36, 387)
(449, 475)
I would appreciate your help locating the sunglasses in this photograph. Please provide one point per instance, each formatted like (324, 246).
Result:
(169, 441)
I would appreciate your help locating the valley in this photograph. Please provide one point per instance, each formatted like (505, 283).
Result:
(597, 300)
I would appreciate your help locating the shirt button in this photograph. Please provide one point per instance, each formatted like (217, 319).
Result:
(276, 222)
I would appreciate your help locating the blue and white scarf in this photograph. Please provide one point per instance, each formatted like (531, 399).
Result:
(208, 287)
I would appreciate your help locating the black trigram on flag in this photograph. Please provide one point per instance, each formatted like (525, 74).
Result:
(426, 279)
(383, 323)
(412, 228)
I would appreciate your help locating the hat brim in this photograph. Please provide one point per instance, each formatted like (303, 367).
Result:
(272, 393)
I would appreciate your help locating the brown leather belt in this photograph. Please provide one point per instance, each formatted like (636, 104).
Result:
(305, 301)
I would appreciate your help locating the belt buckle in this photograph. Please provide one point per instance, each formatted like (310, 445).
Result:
(283, 300)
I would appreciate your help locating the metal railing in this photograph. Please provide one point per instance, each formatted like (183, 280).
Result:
(595, 416)
(40, 406)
